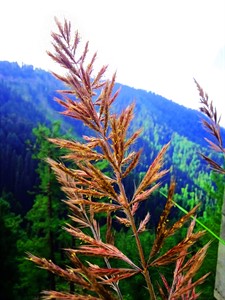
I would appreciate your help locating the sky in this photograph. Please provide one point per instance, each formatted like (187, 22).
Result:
(155, 45)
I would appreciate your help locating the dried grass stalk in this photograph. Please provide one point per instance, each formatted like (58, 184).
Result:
(88, 98)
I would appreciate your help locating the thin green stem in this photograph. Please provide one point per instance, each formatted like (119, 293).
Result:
(197, 221)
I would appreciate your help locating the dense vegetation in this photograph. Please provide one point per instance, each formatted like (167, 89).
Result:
(31, 209)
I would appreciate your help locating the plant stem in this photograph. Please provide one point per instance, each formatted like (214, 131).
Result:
(127, 210)
(222, 241)
(145, 271)
(97, 237)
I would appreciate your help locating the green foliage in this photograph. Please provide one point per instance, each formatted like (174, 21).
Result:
(17, 120)
(211, 218)
(44, 220)
(10, 233)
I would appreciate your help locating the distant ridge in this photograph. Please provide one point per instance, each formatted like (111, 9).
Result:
(26, 99)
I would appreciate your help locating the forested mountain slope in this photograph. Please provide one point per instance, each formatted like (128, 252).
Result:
(31, 211)
(26, 97)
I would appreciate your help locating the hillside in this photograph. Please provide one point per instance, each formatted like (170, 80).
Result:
(32, 213)
(26, 97)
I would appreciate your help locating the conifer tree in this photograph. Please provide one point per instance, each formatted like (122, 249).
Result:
(10, 233)
(46, 217)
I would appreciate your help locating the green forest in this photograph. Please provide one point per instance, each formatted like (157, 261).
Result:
(34, 209)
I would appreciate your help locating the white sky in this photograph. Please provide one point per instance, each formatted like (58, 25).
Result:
(156, 45)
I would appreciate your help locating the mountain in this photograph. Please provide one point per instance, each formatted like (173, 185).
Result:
(26, 97)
